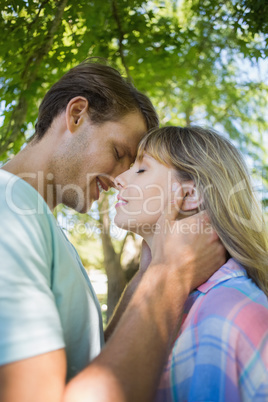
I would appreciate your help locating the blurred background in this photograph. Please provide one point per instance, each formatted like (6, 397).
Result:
(201, 62)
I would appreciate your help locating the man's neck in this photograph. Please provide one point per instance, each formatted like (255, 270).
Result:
(30, 165)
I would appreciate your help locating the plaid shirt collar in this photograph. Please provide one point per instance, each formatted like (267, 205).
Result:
(231, 269)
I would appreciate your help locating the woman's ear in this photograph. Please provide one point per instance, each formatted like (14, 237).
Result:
(191, 198)
(76, 111)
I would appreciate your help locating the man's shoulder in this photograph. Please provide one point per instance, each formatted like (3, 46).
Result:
(26, 225)
(21, 204)
(19, 196)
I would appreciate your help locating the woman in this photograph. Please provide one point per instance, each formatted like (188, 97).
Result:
(221, 352)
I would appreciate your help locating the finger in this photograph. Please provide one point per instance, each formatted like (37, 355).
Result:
(198, 223)
(166, 220)
(170, 211)
(203, 217)
(206, 224)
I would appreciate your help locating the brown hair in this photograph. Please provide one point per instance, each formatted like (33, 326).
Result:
(109, 95)
(223, 182)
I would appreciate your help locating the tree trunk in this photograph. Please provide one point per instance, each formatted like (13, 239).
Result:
(115, 274)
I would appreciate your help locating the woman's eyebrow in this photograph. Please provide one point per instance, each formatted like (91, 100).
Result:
(148, 157)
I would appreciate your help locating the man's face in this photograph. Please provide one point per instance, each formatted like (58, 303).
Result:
(93, 157)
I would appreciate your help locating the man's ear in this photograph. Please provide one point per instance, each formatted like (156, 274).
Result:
(191, 199)
(76, 112)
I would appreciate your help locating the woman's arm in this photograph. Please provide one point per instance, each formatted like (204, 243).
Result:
(145, 260)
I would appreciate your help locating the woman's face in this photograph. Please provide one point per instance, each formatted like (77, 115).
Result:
(145, 190)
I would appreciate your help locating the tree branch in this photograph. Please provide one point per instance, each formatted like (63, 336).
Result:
(28, 76)
(121, 37)
(42, 4)
(123, 244)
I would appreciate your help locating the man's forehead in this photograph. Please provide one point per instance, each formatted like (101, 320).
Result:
(132, 130)
(129, 148)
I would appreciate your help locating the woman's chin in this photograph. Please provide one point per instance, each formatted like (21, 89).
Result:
(127, 225)
(121, 223)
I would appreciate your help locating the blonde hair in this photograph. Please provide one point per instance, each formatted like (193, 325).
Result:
(222, 179)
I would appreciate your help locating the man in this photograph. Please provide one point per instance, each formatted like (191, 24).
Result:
(88, 129)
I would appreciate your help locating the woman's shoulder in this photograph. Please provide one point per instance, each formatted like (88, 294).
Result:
(230, 286)
(224, 338)
(230, 296)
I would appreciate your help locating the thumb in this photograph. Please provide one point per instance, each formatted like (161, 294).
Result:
(171, 211)
(169, 214)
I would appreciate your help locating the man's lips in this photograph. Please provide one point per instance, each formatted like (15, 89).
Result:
(101, 185)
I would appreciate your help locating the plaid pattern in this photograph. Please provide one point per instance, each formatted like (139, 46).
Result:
(221, 352)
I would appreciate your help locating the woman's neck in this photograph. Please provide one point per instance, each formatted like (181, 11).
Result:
(148, 235)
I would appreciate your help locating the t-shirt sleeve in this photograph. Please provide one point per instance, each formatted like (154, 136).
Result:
(29, 319)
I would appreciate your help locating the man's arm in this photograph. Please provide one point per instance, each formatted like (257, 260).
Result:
(129, 366)
(127, 369)
(40, 378)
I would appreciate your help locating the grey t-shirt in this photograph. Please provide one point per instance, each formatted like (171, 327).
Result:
(46, 299)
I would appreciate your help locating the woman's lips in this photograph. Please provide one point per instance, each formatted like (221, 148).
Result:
(121, 201)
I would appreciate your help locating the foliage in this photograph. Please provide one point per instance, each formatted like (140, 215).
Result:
(191, 51)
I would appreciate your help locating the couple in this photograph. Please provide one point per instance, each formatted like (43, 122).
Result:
(89, 126)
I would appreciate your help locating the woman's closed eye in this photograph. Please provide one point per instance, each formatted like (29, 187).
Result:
(140, 171)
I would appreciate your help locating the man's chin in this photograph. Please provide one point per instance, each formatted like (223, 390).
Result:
(85, 208)
(78, 206)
